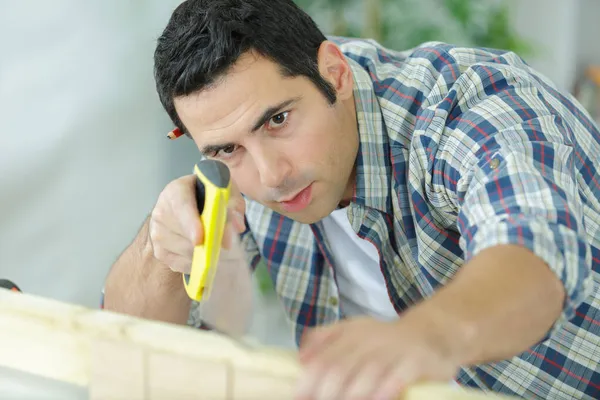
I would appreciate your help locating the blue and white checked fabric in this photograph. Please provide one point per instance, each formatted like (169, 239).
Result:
(461, 149)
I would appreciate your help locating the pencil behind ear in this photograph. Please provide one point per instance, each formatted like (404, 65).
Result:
(175, 133)
(6, 284)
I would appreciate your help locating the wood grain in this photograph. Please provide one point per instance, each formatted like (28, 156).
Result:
(122, 357)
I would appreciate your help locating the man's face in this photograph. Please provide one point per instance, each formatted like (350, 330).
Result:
(286, 146)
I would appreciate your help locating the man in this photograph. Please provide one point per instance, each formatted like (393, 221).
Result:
(426, 215)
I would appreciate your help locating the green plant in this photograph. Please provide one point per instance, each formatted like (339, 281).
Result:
(263, 278)
(403, 24)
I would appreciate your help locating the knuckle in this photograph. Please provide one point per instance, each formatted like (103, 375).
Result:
(155, 233)
(175, 188)
(179, 265)
(158, 213)
(325, 366)
(335, 372)
(188, 252)
(160, 253)
(183, 185)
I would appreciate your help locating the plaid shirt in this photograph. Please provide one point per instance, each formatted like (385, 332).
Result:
(461, 149)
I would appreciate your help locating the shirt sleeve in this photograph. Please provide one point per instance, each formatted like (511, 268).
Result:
(511, 169)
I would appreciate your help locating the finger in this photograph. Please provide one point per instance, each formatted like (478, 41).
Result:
(171, 240)
(314, 340)
(396, 381)
(313, 353)
(366, 381)
(354, 363)
(185, 207)
(332, 364)
(175, 262)
(237, 219)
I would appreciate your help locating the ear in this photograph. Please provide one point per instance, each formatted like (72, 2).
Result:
(334, 67)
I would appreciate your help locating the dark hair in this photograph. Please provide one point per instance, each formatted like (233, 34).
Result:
(204, 38)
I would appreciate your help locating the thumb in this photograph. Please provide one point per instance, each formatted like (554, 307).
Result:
(315, 339)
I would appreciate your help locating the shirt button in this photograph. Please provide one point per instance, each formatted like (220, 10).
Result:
(333, 301)
(494, 163)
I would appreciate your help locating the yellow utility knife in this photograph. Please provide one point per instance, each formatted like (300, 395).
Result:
(213, 185)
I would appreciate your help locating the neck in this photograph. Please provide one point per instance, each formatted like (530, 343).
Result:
(349, 192)
(350, 186)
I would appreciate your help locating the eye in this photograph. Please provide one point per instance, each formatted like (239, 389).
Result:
(229, 149)
(226, 151)
(277, 121)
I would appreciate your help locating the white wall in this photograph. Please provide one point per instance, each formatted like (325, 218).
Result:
(566, 35)
(588, 39)
(82, 139)
(551, 26)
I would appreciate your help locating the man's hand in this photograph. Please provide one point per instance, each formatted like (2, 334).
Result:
(483, 315)
(175, 228)
(146, 279)
(364, 358)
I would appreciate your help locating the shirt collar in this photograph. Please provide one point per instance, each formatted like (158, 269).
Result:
(373, 165)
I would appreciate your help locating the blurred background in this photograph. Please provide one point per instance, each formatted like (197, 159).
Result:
(83, 151)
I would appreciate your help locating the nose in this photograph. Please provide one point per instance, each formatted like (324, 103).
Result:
(273, 167)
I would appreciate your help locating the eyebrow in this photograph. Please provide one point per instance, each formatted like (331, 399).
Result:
(266, 116)
(272, 111)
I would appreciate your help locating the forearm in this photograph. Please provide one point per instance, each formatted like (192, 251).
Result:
(140, 285)
(500, 303)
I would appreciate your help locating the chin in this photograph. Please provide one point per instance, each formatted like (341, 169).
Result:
(303, 218)
(313, 213)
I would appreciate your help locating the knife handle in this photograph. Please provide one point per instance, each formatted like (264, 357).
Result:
(213, 186)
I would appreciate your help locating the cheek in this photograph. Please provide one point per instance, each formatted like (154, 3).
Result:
(313, 143)
(244, 180)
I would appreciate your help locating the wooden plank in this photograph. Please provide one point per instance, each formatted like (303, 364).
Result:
(250, 385)
(187, 378)
(117, 371)
(41, 340)
(119, 356)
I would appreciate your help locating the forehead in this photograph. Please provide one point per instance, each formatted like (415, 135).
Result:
(253, 83)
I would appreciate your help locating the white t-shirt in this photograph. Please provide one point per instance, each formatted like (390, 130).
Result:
(359, 277)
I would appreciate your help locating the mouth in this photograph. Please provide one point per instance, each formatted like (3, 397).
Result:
(292, 197)
(298, 201)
